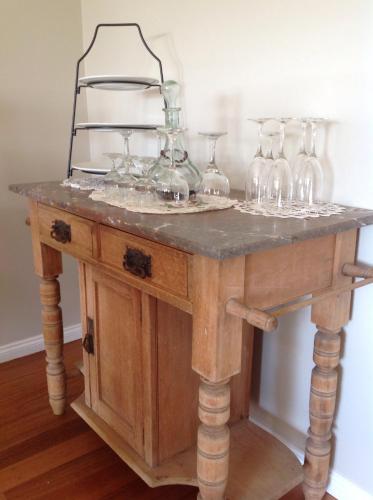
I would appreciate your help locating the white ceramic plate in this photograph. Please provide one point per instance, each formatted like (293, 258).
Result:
(117, 82)
(93, 166)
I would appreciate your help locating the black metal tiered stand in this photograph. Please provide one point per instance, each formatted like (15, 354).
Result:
(145, 83)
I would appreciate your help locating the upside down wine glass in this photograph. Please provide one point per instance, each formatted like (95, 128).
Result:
(127, 163)
(145, 188)
(172, 187)
(309, 186)
(214, 181)
(112, 178)
(126, 185)
(255, 178)
(279, 183)
(302, 155)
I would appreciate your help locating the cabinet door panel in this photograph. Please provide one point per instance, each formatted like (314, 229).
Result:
(116, 394)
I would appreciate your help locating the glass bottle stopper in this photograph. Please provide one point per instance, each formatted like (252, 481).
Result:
(170, 91)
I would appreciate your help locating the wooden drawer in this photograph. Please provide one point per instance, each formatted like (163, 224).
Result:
(82, 232)
(168, 266)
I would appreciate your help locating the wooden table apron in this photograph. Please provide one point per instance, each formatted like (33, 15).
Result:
(182, 284)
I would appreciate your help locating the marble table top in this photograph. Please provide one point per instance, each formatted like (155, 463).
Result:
(220, 234)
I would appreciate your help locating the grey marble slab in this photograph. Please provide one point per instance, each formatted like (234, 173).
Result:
(221, 234)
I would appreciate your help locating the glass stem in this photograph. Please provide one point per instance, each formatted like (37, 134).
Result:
(259, 151)
(282, 140)
(212, 143)
(126, 149)
(303, 139)
(126, 153)
(269, 155)
(313, 139)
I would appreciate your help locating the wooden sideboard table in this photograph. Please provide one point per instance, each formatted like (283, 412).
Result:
(168, 306)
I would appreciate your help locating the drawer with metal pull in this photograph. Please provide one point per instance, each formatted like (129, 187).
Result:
(66, 232)
(148, 261)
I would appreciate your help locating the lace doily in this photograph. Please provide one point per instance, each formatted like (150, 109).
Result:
(202, 204)
(294, 209)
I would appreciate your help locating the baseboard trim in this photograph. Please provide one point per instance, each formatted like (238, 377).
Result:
(339, 486)
(34, 344)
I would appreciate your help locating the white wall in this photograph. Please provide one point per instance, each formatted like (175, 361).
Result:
(39, 44)
(242, 58)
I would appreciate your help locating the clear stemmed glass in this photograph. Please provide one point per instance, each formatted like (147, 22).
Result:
(269, 161)
(145, 187)
(279, 182)
(214, 181)
(126, 185)
(302, 155)
(171, 185)
(112, 178)
(127, 164)
(255, 178)
(310, 180)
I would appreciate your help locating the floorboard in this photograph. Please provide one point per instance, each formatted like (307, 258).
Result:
(43, 457)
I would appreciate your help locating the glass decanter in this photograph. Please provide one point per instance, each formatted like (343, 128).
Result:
(170, 91)
(172, 187)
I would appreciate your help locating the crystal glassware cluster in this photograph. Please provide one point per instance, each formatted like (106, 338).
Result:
(171, 178)
(272, 179)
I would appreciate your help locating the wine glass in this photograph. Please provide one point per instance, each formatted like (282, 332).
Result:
(214, 181)
(302, 155)
(144, 163)
(255, 179)
(126, 184)
(171, 186)
(311, 177)
(145, 187)
(112, 178)
(279, 182)
(127, 164)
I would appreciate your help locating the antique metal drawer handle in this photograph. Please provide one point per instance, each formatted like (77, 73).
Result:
(137, 263)
(61, 231)
(88, 342)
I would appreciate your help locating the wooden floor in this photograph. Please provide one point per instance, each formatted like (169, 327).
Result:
(55, 458)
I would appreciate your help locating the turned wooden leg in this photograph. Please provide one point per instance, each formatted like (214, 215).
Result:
(53, 339)
(213, 439)
(216, 357)
(322, 405)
